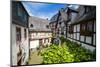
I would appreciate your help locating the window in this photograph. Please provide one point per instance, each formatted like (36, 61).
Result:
(25, 17)
(31, 25)
(62, 33)
(47, 26)
(20, 11)
(25, 33)
(71, 28)
(86, 28)
(60, 23)
(48, 40)
(18, 34)
(44, 40)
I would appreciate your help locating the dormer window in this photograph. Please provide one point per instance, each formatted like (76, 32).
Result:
(60, 23)
(47, 26)
(20, 11)
(31, 25)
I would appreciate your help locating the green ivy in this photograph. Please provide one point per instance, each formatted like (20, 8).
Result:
(67, 52)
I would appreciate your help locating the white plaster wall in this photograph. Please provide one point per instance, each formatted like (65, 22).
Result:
(73, 17)
(74, 36)
(24, 45)
(88, 39)
(43, 41)
(13, 45)
(88, 47)
(46, 41)
(32, 35)
(65, 33)
(62, 24)
(74, 28)
(82, 38)
(22, 42)
(78, 28)
(50, 40)
(78, 34)
(34, 44)
(68, 34)
(71, 35)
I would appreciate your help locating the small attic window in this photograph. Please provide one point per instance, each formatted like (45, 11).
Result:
(31, 25)
(60, 23)
(47, 26)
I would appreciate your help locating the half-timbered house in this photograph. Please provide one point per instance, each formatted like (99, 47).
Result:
(78, 25)
(40, 33)
(19, 34)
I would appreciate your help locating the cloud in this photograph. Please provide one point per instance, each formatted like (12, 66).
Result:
(33, 7)
(73, 6)
(36, 9)
(42, 10)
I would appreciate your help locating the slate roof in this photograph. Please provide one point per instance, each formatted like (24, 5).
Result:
(39, 24)
(63, 14)
(54, 18)
(25, 7)
(85, 16)
(88, 16)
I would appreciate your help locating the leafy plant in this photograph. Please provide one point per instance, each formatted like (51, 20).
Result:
(56, 54)
(67, 52)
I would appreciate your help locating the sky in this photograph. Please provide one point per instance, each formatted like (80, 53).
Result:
(42, 10)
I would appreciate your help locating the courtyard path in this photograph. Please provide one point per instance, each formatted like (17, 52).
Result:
(35, 58)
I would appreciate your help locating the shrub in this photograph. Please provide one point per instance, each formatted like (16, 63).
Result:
(67, 52)
(56, 54)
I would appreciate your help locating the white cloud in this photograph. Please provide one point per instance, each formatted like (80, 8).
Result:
(74, 6)
(34, 6)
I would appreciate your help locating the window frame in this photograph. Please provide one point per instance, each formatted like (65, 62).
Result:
(86, 31)
(71, 29)
(18, 34)
(31, 25)
(25, 33)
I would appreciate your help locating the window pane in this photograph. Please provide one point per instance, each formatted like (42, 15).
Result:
(18, 34)
(25, 33)
(89, 26)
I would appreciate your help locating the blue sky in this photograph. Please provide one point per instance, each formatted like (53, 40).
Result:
(42, 10)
